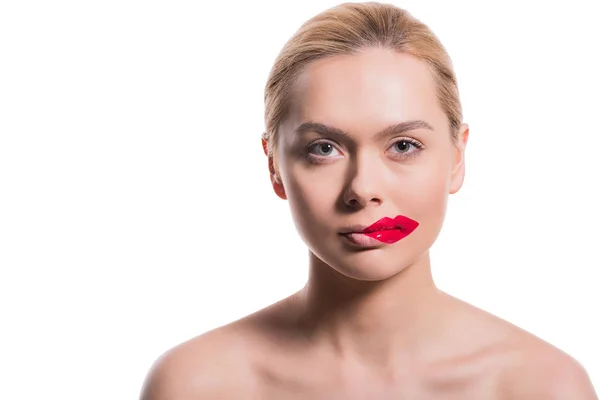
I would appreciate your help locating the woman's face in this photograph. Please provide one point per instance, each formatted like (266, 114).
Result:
(366, 139)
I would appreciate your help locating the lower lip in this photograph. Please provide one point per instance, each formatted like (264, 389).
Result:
(376, 238)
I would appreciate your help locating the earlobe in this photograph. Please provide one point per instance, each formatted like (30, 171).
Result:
(275, 180)
(278, 187)
(458, 177)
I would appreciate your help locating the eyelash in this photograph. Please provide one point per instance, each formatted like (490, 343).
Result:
(323, 159)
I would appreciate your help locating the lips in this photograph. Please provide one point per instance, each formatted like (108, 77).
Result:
(386, 230)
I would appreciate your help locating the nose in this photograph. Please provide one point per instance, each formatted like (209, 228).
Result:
(365, 184)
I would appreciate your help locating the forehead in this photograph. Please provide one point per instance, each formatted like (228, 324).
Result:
(366, 91)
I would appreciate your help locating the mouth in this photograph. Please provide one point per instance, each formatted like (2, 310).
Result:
(386, 230)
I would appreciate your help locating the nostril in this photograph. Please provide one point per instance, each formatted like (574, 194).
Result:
(376, 200)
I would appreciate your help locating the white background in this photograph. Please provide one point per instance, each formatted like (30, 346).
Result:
(135, 204)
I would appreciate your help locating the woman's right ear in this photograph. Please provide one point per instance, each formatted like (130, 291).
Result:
(275, 180)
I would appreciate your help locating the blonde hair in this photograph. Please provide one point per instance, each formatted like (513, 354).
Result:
(347, 29)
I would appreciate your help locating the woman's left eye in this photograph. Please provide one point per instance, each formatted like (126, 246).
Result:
(404, 147)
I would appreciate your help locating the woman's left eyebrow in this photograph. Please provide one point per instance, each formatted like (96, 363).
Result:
(392, 130)
(405, 126)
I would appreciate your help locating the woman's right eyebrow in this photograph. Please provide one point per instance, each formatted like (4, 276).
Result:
(320, 128)
(392, 130)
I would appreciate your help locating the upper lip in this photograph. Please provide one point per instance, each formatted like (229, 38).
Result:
(380, 225)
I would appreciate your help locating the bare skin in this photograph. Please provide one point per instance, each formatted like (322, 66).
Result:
(275, 354)
(370, 322)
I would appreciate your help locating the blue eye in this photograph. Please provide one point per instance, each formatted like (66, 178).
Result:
(403, 146)
(322, 149)
(406, 147)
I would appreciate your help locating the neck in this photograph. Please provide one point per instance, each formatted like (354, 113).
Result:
(373, 322)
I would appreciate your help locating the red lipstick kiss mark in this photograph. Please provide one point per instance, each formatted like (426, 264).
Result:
(386, 230)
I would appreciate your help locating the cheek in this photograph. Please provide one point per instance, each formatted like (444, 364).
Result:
(312, 196)
(317, 191)
(429, 195)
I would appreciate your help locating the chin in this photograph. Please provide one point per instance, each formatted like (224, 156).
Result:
(369, 266)
(365, 275)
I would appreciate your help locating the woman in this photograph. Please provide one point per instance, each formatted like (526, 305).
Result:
(365, 140)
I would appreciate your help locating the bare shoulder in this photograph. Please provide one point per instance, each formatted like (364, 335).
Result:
(526, 366)
(212, 365)
(221, 364)
(536, 369)
(541, 370)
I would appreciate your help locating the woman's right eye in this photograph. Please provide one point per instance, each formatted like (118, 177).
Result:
(322, 149)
